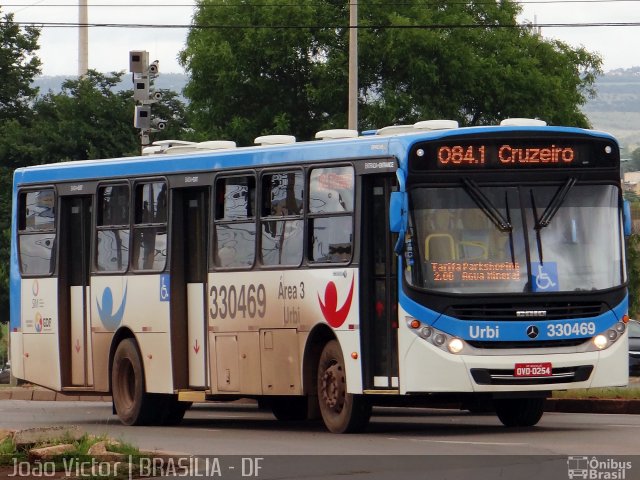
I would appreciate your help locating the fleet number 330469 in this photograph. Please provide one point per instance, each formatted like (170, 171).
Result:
(571, 329)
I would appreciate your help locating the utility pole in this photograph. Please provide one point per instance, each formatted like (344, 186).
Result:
(353, 65)
(83, 39)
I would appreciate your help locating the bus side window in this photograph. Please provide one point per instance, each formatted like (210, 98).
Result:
(37, 232)
(235, 228)
(282, 225)
(331, 194)
(150, 227)
(112, 238)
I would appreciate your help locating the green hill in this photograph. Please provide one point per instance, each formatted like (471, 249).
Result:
(616, 109)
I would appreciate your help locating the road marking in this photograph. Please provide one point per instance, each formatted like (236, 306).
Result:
(462, 442)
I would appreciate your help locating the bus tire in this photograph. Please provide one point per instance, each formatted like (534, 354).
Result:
(174, 411)
(519, 412)
(289, 409)
(341, 412)
(132, 404)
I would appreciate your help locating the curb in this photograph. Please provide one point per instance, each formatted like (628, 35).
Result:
(593, 405)
(41, 394)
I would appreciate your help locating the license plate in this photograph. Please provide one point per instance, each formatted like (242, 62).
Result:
(532, 370)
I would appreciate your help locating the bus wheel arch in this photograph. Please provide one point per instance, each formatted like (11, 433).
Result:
(118, 337)
(319, 336)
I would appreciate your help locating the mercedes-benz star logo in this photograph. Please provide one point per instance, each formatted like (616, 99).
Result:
(532, 331)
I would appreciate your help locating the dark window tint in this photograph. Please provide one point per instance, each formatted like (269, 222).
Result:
(113, 205)
(151, 203)
(235, 198)
(283, 194)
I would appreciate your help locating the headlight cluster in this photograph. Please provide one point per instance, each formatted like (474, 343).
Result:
(606, 339)
(436, 337)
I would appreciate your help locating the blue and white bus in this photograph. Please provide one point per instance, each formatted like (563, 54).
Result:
(414, 265)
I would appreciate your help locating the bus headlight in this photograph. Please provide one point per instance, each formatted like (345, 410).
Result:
(455, 345)
(600, 341)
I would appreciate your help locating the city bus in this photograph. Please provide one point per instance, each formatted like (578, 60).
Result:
(419, 265)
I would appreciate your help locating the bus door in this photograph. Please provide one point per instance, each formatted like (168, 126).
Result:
(74, 274)
(188, 284)
(378, 285)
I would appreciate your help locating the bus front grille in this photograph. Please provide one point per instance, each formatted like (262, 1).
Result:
(519, 312)
(484, 376)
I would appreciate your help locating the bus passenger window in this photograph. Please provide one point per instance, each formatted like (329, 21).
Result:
(37, 232)
(112, 238)
(282, 224)
(150, 228)
(331, 194)
(235, 229)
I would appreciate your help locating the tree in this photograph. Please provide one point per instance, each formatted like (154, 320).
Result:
(18, 66)
(255, 76)
(87, 120)
(474, 65)
(282, 68)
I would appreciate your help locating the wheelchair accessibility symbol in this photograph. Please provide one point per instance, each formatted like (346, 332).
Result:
(165, 290)
(544, 277)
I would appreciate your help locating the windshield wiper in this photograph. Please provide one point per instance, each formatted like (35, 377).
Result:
(503, 224)
(555, 204)
(511, 246)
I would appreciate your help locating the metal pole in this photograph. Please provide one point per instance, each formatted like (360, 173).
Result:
(83, 39)
(353, 65)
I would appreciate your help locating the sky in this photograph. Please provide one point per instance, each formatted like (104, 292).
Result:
(109, 47)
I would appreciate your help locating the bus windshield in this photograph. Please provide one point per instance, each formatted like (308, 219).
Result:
(492, 239)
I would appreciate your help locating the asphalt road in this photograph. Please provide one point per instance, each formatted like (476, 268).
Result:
(456, 441)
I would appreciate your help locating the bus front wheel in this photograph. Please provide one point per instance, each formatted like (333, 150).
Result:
(341, 412)
(127, 384)
(519, 412)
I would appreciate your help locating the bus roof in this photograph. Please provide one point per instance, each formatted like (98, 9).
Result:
(370, 146)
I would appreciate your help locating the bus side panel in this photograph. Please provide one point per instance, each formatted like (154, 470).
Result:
(101, 345)
(139, 303)
(156, 356)
(15, 288)
(331, 296)
(41, 347)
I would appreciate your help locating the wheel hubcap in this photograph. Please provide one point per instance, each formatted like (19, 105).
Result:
(333, 391)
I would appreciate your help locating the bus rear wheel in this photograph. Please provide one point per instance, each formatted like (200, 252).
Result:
(342, 412)
(519, 412)
(131, 402)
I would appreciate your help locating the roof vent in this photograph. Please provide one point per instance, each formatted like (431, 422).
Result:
(436, 125)
(522, 122)
(275, 140)
(216, 145)
(161, 146)
(394, 130)
(336, 134)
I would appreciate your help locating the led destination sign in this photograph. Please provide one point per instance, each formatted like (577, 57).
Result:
(513, 154)
(507, 154)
